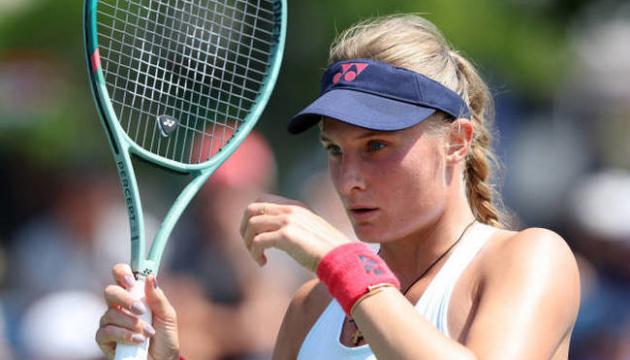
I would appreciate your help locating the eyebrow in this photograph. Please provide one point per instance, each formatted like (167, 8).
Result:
(323, 138)
(367, 134)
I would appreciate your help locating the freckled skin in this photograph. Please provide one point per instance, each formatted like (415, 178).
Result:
(402, 179)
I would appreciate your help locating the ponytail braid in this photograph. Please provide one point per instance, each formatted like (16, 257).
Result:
(482, 197)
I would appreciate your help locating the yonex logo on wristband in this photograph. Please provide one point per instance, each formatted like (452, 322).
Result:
(349, 72)
(371, 265)
(350, 269)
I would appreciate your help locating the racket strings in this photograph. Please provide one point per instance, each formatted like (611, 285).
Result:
(164, 71)
(201, 63)
(254, 49)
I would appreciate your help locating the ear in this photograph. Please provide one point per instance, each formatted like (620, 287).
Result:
(458, 141)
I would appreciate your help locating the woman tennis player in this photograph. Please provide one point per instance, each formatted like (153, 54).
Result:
(405, 120)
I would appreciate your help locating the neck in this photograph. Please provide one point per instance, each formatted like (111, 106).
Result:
(412, 256)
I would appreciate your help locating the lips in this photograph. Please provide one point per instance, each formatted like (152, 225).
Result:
(362, 213)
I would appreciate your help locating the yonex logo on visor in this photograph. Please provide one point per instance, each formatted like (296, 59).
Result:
(349, 72)
(378, 96)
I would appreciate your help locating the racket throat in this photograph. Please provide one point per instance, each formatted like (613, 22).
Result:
(145, 268)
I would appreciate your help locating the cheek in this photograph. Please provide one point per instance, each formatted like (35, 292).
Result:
(333, 172)
(420, 191)
(415, 195)
(419, 177)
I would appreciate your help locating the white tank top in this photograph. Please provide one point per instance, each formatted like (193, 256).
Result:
(322, 341)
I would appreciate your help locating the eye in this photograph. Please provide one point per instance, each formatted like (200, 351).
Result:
(333, 150)
(375, 145)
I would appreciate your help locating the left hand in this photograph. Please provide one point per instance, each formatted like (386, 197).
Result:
(274, 221)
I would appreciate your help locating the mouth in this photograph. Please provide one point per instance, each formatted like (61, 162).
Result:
(360, 213)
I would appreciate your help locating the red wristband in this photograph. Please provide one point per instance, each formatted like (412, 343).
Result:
(350, 269)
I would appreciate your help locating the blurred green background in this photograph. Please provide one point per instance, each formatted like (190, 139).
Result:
(522, 46)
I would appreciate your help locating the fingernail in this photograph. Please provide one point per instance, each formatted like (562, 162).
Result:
(155, 283)
(129, 281)
(138, 308)
(138, 338)
(149, 329)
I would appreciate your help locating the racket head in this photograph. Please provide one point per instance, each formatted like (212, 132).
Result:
(165, 79)
(184, 70)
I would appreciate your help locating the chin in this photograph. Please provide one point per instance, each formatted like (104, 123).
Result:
(370, 234)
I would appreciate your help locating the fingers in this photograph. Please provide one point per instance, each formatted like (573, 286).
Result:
(261, 242)
(108, 336)
(118, 326)
(118, 318)
(263, 223)
(255, 209)
(118, 297)
(271, 222)
(157, 301)
(259, 224)
(165, 344)
(127, 318)
(123, 275)
(263, 208)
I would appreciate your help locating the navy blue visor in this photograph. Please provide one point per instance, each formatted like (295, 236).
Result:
(378, 96)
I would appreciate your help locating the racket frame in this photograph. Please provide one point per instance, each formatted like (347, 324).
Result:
(123, 146)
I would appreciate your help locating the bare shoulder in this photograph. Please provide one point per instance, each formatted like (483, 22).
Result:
(307, 304)
(535, 265)
(532, 248)
(529, 295)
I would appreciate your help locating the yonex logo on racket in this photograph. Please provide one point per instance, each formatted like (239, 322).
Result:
(167, 124)
(349, 72)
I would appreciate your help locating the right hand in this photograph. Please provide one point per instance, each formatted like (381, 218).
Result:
(288, 225)
(120, 323)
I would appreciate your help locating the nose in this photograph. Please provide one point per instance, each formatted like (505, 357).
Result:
(348, 176)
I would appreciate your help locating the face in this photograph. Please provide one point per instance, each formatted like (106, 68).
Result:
(392, 184)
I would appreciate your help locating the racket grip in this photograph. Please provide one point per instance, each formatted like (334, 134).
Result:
(136, 351)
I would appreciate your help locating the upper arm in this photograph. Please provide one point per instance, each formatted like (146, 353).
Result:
(305, 307)
(529, 298)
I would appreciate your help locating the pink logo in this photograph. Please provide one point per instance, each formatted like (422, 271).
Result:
(349, 72)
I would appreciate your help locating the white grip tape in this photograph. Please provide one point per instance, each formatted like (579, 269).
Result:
(139, 351)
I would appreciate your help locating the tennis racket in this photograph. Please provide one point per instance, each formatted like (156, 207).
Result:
(180, 84)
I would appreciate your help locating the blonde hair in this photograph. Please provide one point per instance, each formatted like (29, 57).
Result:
(414, 43)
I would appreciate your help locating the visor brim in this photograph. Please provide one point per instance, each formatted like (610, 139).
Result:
(362, 109)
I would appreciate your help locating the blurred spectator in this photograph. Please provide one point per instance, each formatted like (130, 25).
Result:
(228, 307)
(6, 351)
(56, 325)
(69, 247)
(597, 94)
(595, 100)
(78, 239)
(599, 226)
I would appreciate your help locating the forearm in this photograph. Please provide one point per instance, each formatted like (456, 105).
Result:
(395, 330)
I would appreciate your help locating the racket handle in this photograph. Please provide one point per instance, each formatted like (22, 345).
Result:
(136, 351)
